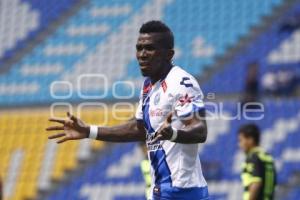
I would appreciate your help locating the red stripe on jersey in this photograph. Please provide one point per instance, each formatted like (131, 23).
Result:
(164, 85)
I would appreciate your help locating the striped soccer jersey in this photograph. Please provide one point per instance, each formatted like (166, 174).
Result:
(175, 168)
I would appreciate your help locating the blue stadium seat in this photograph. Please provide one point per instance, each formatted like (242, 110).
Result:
(268, 45)
(203, 30)
(45, 11)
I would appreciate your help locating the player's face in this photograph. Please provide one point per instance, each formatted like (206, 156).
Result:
(244, 143)
(150, 54)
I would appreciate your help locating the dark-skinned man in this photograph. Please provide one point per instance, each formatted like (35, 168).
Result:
(258, 175)
(170, 117)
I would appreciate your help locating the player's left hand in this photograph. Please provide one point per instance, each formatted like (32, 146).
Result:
(165, 132)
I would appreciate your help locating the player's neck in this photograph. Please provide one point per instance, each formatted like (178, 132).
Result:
(162, 74)
(253, 148)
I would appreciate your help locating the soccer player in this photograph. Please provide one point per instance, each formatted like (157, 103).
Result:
(145, 168)
(258, 175)
(170, 117)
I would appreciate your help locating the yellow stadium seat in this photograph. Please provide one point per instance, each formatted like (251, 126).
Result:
(24, 130)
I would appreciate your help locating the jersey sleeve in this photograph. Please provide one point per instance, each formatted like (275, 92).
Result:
(256, 169)
(139, 111)
(188, 98)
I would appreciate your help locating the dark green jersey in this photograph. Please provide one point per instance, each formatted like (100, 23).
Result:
(259, 167)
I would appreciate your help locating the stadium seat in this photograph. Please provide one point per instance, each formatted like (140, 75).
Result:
(272, 50)
(23, 20)
(24, 154)
(100, 38)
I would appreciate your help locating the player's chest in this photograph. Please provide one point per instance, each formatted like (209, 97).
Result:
(157, 104)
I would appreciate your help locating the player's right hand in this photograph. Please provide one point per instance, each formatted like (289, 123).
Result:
(72, 129)
(165, 131)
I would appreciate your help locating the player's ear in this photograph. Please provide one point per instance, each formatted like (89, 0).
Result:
(170, 54)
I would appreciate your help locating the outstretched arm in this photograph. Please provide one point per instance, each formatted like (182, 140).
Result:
(74, 128)
(133, 130)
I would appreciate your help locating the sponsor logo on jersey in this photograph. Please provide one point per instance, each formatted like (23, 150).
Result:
(152, 146)
(158, 112)
(185, 99)
(186, 81)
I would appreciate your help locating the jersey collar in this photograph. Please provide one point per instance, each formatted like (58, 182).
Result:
(254, 150)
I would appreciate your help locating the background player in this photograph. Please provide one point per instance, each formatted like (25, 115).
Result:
(145, 169)
(170, 117)
(258, 175)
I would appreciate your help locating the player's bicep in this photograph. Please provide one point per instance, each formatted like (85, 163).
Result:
(136, 130)
(197, 124)
(255, 170)
(188, 98)
(189, 107)
(258, 167)
(194, 118)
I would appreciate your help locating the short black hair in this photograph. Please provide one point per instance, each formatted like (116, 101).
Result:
(159, 27)
(250, 131)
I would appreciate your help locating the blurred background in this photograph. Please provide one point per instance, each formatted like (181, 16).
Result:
(79, 55)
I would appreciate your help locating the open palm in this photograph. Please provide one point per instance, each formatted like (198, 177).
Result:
(72, 129)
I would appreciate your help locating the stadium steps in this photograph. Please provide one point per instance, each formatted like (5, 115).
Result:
(27, 165)
(231, 52)
(6, 64)
(70, 175)
(75, 167)
(284, 191)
